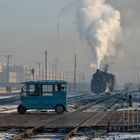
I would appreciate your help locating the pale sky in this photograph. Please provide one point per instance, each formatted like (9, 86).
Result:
(29, 27)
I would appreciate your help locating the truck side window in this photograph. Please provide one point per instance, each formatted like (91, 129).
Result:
(31, 90)
(47, 90)
(60, 88)
(37, 90)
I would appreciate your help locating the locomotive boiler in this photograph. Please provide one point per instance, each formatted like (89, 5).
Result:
(102, 81)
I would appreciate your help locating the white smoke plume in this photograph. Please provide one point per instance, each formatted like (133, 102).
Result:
(99, 25)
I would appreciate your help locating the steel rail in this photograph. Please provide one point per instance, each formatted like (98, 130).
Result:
(7, 109)
(32, 131)
(70, 134)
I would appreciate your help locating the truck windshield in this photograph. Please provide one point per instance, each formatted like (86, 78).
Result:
(23, 88)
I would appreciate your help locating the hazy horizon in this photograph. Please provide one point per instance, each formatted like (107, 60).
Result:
(28, 28)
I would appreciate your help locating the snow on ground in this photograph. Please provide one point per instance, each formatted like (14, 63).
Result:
(112, 136)
(6, 104)
(5, 135)
(136, 106)
(7, 96)
(8, 109)
(95, 108)
(123, 136)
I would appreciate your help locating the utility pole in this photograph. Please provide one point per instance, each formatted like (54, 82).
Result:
(56, 60)
(138, 84)
(53, 72)
(38, 65)
(138, 70)
(7, 72)
(46, 64)
(75, 66)
(33, 73)
(134, 78)
(84, 77)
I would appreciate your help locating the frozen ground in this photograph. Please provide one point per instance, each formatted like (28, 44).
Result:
(8, 102)
(5, 136)
(123, 136)
(110, 136)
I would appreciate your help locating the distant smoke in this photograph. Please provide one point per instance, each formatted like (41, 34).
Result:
(62, 13)
(99, 26)
(67, 9)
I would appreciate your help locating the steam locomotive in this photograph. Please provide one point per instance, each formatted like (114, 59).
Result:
(102, 81)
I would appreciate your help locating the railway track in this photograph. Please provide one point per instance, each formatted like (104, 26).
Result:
(2, 110)
(15, 99)
(85, 120)
(9, 100)
(99, 116)
(76, 100)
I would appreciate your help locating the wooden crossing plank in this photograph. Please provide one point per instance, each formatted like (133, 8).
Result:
(36, 119)
(27, 120)
(70, 121)
(53, 120)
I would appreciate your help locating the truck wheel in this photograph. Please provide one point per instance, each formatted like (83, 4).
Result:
(59, 109)
(21, 109)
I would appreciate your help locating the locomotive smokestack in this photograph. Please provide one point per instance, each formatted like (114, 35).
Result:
(98, 70)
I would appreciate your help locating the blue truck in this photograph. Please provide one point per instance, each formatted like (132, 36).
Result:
(50, 94)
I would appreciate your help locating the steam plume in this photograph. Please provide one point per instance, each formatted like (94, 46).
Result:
(99, 26)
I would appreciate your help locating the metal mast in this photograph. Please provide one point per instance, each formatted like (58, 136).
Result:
(46, 64)
(7, 72)
(75, 66)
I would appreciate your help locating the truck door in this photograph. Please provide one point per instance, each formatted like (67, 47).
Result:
(34, 96)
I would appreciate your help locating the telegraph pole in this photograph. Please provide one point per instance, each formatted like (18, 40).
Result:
(33, 73)
(7, 72)
(38, 65)
(138, 70)
(56, 60)
(46, 53)
(75, 66)
(138, 84)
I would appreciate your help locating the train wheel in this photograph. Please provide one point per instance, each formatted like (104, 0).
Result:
(59, 109)
(21, 109)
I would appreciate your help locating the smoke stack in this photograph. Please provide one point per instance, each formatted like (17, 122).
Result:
(98, 70)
